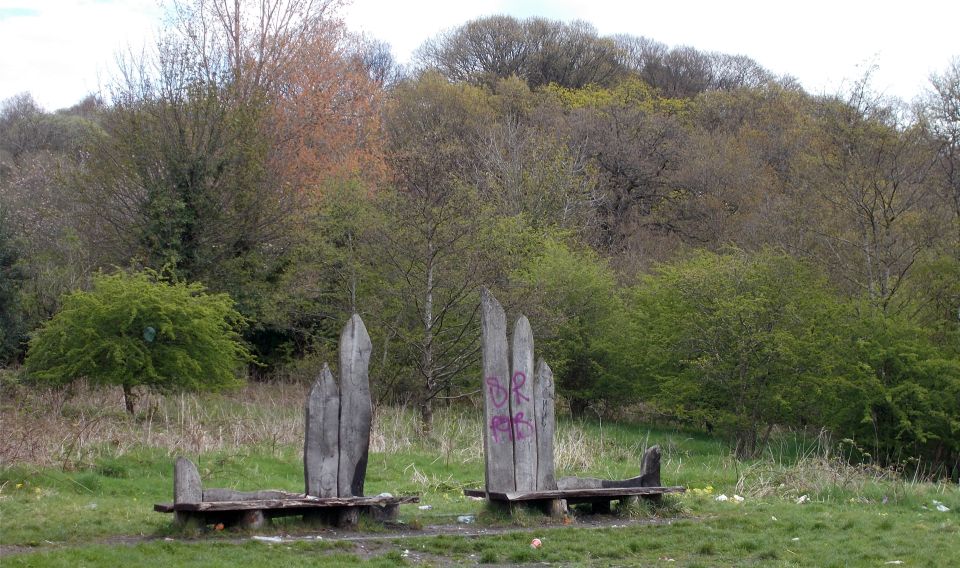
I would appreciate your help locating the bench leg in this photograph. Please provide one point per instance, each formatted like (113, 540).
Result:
(554, 507)
(187, 519)
(347, 517)
(253, 519)
(382, 513)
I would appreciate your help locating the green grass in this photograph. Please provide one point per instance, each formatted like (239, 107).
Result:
(98, 511)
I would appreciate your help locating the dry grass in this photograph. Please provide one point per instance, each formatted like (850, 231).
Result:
(69, 428)
(817, 470)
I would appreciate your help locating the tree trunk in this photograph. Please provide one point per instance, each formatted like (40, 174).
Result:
(426, 404)
(578, 407)
(426, 416)
(129, 398)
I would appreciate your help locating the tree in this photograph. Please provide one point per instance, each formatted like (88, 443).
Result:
(736, 342)
(633, 138)
(870, 172)
(440, 242)
(136, 329)
(11, 279)
(909, 403)
(573, 301)
(538, 50)
(219, 145)
(943, 112)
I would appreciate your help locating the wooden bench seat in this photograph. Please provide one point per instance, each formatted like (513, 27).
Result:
(252, 513)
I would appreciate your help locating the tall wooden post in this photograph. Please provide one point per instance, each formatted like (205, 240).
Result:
(497, 430)
(321, 446)
(522, 410)
(355, 407)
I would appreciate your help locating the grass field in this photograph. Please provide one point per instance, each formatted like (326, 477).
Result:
(79, 479)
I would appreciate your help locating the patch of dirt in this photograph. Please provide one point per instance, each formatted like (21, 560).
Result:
(369, 543)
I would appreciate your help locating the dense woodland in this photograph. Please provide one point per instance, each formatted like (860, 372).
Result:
(694, 240)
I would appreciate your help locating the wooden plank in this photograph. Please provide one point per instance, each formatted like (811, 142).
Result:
(355, 407)
(522, 409)
(305, 502)
(545, 414)
(497, 438)
(187, 487)
(321, 441)
(608, 493)
(215, 494)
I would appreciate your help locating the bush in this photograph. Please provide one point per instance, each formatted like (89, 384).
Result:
(136, 329)
(738, 341)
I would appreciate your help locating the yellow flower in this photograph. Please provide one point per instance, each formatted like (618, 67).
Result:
(19, 485)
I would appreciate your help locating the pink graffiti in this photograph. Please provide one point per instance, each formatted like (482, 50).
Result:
(504, 428)
(499, 395)
(517, 385)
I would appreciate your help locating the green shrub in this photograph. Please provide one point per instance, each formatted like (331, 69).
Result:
(137, 329)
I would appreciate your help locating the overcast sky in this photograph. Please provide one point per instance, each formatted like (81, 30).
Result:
(60, 50)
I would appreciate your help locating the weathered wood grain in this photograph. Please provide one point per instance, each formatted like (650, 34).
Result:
(545, 406)
(302, 502)
(570, 494)
(522, 407)
(355, 407)
(650, 467)
(321, 441)
(187, 487)
(215, 494)
(497, 431)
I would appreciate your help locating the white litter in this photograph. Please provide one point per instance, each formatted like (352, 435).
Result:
(802, 499)
(894, 562)
(738, 498)
(722, 497)
(425, 507)
(942, 508)
(795, 539)
(773, 518)
(267, 538)
(465, 519)
(386, 495)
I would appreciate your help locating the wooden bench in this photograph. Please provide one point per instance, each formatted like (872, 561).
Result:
(520, 424)
(335, 453)
(252, 513)
(600, 499)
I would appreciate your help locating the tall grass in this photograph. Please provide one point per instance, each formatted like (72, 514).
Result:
(73, 429)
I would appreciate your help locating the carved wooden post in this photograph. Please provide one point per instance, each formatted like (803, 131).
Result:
(497, 431)
(321, 446)
(544, 398)
(355, 407)
(187, 488)
(522, 407)
(650, 467)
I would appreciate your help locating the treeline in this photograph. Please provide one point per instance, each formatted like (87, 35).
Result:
(689, 234)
